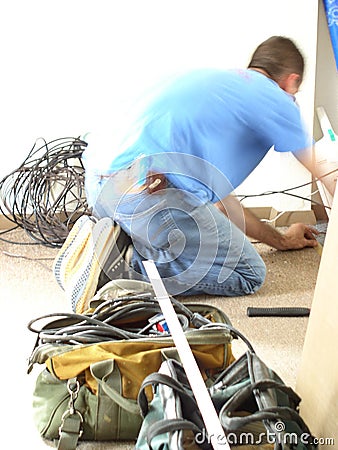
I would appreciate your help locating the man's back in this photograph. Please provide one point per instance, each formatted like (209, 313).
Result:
(227, 119)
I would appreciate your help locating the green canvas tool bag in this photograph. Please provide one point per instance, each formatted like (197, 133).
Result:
(95, 363)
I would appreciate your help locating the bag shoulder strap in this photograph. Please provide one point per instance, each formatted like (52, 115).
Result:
(70, 431)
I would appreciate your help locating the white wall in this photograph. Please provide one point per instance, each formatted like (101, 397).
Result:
(280, 171)
(71, 66)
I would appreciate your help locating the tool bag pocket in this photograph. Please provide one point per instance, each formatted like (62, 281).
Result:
(101, 415)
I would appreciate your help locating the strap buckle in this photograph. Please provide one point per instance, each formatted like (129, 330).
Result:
(72, 420)
(73, 425)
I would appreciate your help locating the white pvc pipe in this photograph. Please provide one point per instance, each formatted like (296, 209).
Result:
(215, 432)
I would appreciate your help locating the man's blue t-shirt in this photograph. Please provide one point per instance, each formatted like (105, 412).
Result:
(209, 129)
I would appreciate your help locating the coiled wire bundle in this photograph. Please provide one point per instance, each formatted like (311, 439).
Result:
(45, 195)
(128, 317)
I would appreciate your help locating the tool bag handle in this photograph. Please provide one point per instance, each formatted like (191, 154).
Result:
(161, 378)
(100, 371)
(274, 413)
(243, 394)
(178, 382)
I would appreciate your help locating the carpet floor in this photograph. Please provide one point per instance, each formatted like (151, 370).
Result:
(28, 289)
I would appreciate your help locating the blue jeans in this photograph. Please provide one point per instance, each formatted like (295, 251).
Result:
(196, 248)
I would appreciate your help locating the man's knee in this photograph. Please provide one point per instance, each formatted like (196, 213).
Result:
(258, 280)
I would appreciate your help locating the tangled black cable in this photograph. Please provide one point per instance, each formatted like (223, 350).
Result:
(45, 194)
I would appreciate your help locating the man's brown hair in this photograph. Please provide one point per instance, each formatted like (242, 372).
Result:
(278, 56)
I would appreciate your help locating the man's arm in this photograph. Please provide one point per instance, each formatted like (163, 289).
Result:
(318, 169)
(297, 236)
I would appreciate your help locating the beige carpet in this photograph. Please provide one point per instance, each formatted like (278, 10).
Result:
(28, 289)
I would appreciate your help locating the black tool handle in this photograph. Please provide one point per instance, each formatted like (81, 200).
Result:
(278, 311)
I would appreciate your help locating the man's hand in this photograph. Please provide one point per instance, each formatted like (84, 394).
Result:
(296, 237)
(299, 236)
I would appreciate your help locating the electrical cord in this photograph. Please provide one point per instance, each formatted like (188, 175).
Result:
(37, 260)
(45, 195)
(287, 191)
(129, 317)
(15, 242)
